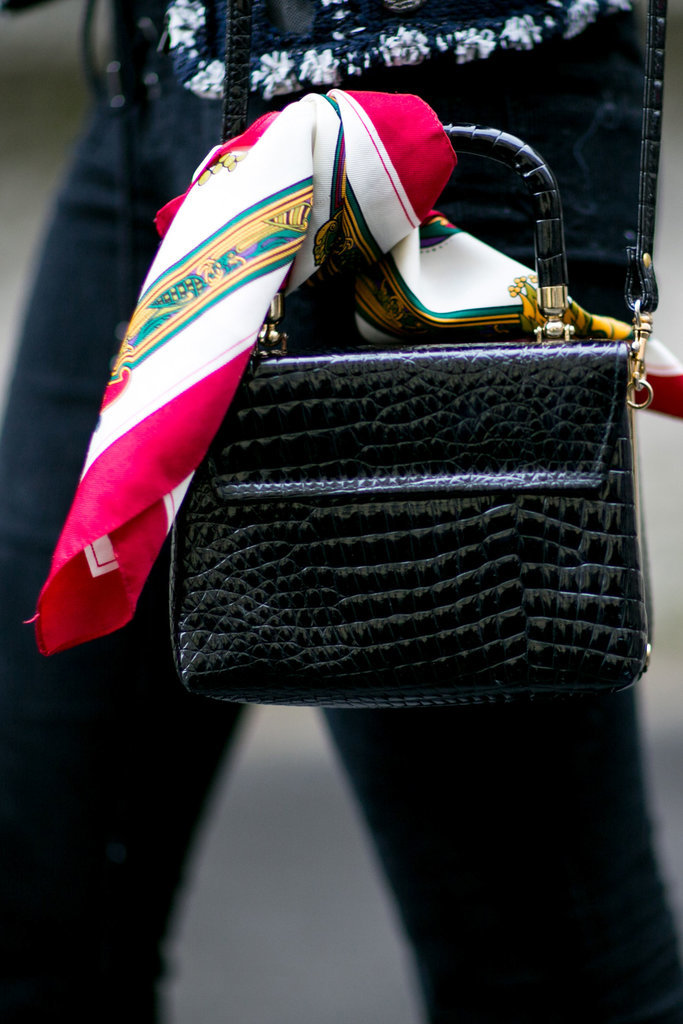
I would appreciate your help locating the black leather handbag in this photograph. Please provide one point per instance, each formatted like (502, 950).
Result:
(437, 524)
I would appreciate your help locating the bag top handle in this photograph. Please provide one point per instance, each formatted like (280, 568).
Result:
(541, 184)
(237, 55)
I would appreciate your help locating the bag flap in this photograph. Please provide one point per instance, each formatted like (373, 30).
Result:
(473, 418)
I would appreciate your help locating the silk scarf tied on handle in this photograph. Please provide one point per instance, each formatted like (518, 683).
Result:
(264, 208)
(350, 176)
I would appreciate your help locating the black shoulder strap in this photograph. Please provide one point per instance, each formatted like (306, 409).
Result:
(641, 284)
(236, 81)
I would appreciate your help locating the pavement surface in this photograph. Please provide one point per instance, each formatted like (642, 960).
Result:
(284, 917)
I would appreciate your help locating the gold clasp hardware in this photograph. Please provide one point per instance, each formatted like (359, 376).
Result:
(555, 330)
(642, 329)
(553, 301)
(272, 342)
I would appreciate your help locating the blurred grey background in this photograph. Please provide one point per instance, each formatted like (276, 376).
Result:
(284, 917)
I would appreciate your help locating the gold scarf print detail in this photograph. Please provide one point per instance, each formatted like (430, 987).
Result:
(326, 238)
(262, 238)
(225, 162)
(344, 241)
(586, 325)
(384, 301)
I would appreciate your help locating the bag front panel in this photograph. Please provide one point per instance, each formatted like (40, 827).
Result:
(401, 598)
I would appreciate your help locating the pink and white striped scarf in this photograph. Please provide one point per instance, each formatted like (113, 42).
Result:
(264, 208)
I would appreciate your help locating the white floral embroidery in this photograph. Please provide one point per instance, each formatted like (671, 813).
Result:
(352, 45)
(208, 81)
(520, 33)
(276, 75)
(472, 44)
(320, 68)
(185, 18)
(407, 46)
(580, 15)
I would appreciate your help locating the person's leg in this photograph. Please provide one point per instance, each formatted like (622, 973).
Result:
(105, 761)
(517, 842)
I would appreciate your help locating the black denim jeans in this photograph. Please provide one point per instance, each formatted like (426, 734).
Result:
(516, 838)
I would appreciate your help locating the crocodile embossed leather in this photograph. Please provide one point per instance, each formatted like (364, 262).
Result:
(448, 525)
